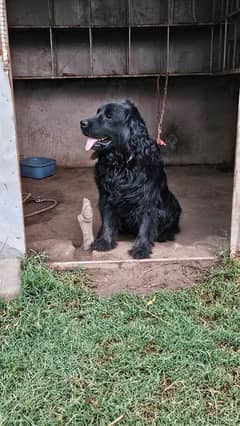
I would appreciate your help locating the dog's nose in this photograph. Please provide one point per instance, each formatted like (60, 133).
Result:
(83, 123)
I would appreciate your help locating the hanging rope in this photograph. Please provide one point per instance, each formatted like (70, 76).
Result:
(161, 115)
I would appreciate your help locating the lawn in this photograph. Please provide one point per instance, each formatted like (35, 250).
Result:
(68, 358)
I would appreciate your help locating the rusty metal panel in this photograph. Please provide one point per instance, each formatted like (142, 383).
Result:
(109, 12)
(72, 12)
(217, 50)
(72, 52)
(203, 10)
(194, 48)
(233, 43)
(189, 11)
(28, 12)
(31, 53)
(148, 51)
(156, 12)
(220, 9)
(110, 51)
(190, 50)
(232, 6)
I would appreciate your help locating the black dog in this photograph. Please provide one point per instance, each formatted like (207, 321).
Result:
(133, 194)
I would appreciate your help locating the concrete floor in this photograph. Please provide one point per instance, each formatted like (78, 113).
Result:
(205, 194)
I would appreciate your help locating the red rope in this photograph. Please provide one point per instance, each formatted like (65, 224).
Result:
(161, 116)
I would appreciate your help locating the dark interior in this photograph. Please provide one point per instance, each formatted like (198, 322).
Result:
(69, 56)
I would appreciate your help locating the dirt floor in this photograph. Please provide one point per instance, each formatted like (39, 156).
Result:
(205, 194)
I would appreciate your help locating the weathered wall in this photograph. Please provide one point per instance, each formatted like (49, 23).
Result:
(12, 241)
(201, 111)
(11, 218)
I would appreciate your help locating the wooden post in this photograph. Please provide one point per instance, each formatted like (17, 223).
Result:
(235, 228)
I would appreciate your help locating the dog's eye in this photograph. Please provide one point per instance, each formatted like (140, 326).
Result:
(108, 115)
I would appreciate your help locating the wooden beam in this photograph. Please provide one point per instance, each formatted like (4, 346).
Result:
(235, 228)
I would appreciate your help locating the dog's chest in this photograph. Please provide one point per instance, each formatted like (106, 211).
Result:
(121, 185)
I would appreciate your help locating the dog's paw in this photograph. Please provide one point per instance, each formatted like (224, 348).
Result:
(140, 251)
(103, 245)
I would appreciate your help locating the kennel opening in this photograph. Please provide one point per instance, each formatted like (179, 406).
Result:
(70, 56)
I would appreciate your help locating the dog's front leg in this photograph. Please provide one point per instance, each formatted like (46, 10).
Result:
(106, 236)
(142, 246)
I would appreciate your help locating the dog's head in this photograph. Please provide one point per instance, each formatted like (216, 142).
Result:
(113, 125)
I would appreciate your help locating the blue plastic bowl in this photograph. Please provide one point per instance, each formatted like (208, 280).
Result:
(37, 167)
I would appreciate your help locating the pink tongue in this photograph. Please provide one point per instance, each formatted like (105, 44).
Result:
(89, 144)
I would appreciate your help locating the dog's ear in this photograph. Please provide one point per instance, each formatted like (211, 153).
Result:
(133, 117)
(134, 120)
(128, 118)
(128, 109)
(137, 134)
(127, 103)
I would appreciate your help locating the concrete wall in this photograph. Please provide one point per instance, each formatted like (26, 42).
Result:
(201, 111)
(11, 218)
(12, 240)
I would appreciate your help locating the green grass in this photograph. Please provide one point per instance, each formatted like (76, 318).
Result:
(67, 358)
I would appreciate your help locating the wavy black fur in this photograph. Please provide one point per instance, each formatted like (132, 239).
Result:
(133, 193)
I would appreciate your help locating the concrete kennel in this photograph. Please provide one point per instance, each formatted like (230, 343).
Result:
(69, 56)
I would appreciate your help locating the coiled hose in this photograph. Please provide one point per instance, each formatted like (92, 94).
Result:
(29, 197)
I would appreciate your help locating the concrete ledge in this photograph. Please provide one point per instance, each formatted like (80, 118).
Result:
(10, 279)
